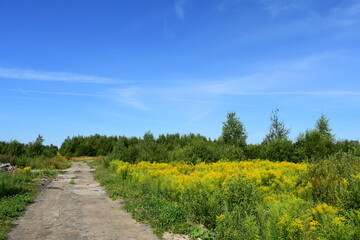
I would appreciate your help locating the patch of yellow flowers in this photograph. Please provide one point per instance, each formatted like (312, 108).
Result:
(274, 180)
(180, 177)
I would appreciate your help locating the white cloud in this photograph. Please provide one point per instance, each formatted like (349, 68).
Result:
(344, 16)
(179, 8)
(129, 96)
(290, 78)
(315, 93)
(329, 93)
(276, 7)
(225, 4)
(354, 9)
(23, 91)
(269, 78)
(25, 74)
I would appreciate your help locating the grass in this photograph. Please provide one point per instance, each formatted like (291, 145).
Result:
(86, 159)
(158, 212)
(18, 189)
(245, 200)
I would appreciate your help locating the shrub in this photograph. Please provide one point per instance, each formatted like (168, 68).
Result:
(330, 177)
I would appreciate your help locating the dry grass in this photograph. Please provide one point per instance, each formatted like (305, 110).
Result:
(85, 158)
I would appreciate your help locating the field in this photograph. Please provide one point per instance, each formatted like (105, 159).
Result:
(189, 184)
(242, 200)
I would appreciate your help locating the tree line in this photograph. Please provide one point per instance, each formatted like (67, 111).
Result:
(310, 145)
(232, 145)
(32, 149)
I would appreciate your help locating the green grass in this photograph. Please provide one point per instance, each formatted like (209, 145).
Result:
(329, 209)
(16, 191)
(11, 208)
(162, 215)
(19, 188)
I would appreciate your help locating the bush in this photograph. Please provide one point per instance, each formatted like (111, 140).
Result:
(277, 150)
(13, 160)
(313, 146)
(330, 178)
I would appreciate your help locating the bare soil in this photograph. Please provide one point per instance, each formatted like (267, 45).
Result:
(75, 207)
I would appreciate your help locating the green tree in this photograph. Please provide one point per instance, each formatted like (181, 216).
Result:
(14, 148)
(277, 129)
(276, 145)
(316, 143)
(322, 126)
(35, 148)
(233, 131)
(148, 148)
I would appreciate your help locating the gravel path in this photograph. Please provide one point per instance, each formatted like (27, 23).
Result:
(80, 211)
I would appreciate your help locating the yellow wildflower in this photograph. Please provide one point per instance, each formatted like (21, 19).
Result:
(338, 220)
(221, 217)
(298, 224)
(27, 168)
(314, 225)
(270, 198)
(284, 219)
(344, 181)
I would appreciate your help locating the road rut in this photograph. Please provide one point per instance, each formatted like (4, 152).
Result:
(80, 211)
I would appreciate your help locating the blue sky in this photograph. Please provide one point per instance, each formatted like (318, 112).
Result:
(126, 67)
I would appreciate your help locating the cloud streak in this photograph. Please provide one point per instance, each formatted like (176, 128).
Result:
(179, 8)
(345, 16)
(23, 91)
(127, 96)
(226, 4)
(25, 74)
(286, 79)
(276, 7)
(314, 93)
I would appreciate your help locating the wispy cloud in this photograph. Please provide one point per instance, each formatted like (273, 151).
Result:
(260, 81)
(129, 96)
(23, 91)
(345, 15)
(25, 74)
(225, 4)
(291, 77)
(179, 8)
(256, 85)
(287, 79)
(276, 7)
(315, 93)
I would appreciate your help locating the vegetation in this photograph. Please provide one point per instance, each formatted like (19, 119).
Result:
(312, 145)
(308, 188)
(233, 131)
(19, 188)
(242, 200)
(34, 154)
(277, 130)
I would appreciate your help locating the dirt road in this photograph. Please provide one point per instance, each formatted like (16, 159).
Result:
(80, 211)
